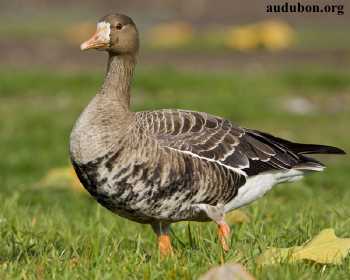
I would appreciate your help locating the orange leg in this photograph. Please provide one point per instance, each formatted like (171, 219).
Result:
(224, 233)
(164, 244)
(216, 214)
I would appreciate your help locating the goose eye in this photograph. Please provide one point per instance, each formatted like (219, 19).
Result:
(118, 26)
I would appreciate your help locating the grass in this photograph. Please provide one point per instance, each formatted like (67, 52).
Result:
(55, 233)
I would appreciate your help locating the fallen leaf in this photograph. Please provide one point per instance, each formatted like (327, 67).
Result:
(62, 176)
(73, 262)
(270, 35)
(277, 255)
(170, 35)
(237, 217)
(33, 221)
(40, 272)
(324, 248)
(232, 271)
(276, 35)
(75, 180)
(243, 38)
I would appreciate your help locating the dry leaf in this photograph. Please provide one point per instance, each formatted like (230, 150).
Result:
(237, 217)
(33, 221)
(276, 35)
(325, 248)
(277, 255)
(271, 35)
(243, 38)
(232, 271)
(170, 35)
(73, 262)
(40, 272)
(62, 176)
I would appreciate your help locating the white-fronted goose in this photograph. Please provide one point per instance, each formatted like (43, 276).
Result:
(160, 167)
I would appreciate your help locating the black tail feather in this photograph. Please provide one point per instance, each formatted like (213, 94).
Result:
(302, 148)
(315, 149)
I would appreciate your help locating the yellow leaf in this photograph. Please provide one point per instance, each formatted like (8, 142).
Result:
(170, 35)
(237, 217)
(276, 35)
(271, 35)
(62, 176)
(325, 248)
(243, 38)
(75, 182)
(277, 255)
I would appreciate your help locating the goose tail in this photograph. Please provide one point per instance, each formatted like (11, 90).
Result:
(306, 163)
(311, 163)
(305, 149)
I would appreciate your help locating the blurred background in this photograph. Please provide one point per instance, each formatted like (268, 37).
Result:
(286, 74)
(191, 34)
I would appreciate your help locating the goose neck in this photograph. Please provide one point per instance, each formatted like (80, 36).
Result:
(120, 69)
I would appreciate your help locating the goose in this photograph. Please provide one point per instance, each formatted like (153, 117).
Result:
(165, 166)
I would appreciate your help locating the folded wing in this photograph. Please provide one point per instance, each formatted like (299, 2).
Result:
(216, 139)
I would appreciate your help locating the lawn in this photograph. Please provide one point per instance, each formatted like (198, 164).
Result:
(56, 233)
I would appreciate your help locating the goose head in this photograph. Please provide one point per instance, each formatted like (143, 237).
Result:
(116, 34)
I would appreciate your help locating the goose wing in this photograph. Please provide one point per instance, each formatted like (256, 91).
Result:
(216, 139)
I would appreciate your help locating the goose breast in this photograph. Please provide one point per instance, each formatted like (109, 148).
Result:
(145, 181)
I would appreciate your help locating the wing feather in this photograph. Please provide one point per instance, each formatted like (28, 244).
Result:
(216, 139)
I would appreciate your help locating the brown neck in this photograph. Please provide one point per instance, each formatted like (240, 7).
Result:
(118, 79)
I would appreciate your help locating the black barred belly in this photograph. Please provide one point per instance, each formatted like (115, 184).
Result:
(165, 190)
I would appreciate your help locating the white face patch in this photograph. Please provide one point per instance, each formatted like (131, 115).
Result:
(104, 31)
